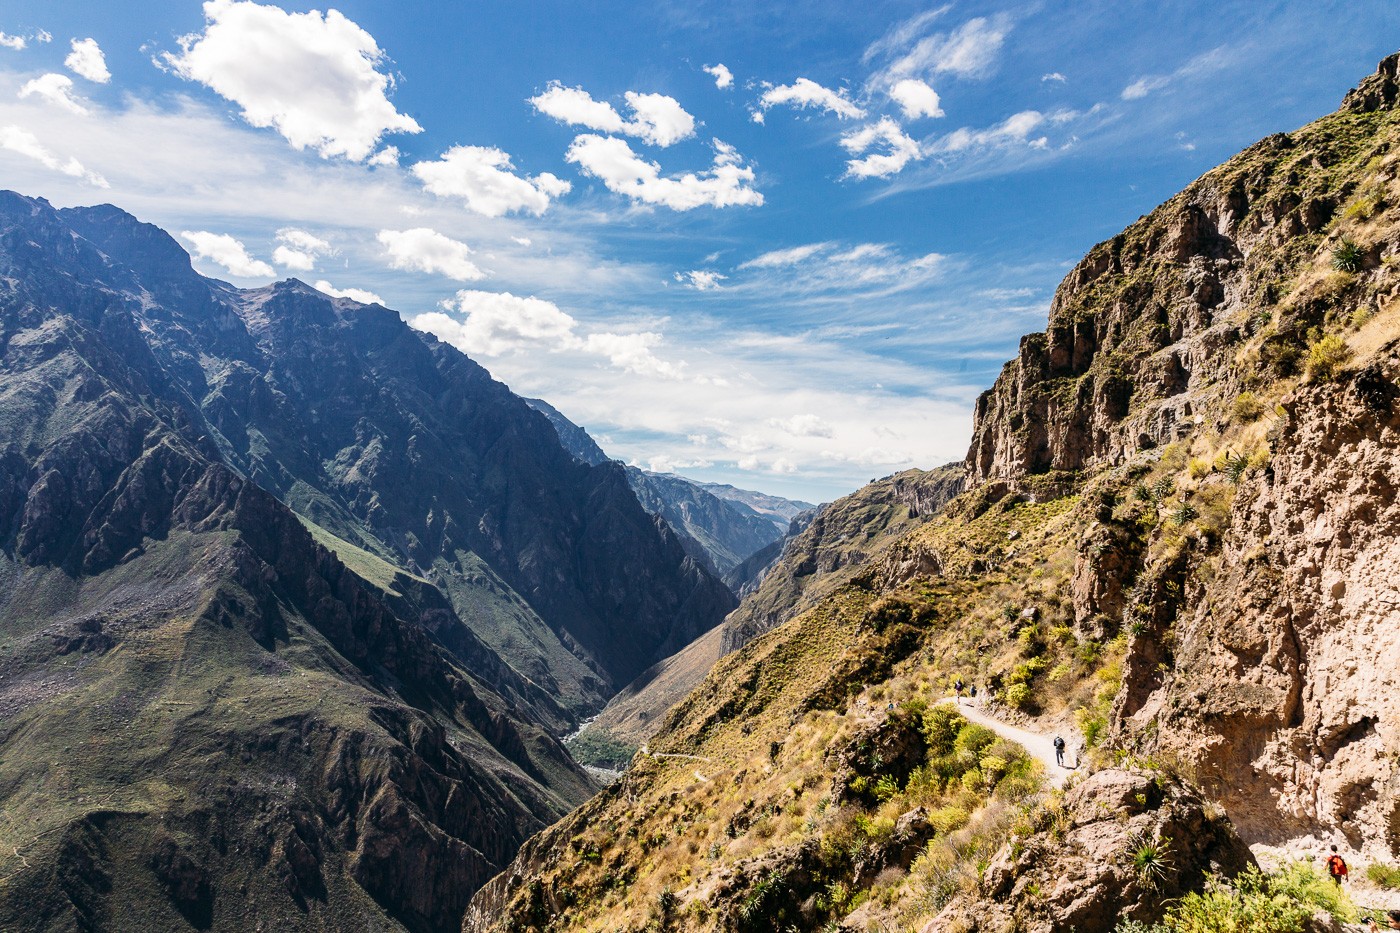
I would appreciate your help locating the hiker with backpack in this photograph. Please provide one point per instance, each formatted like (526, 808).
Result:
(958, 686)
(1059, 751)
(1336, 867)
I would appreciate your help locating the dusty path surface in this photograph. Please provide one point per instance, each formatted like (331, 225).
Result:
(1040, 745)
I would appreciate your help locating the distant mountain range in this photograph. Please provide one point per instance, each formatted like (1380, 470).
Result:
(722, 525)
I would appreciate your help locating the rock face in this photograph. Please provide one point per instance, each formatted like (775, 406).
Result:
(1081, 873)
(723, 532)
(268, 562)
(1264, 647)
(840, 538)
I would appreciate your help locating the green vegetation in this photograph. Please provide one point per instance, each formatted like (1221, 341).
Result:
(599, 749)
(1327, 356)
(1383, 875)
(1254, 903)
(1346, 256)
(1247, 408)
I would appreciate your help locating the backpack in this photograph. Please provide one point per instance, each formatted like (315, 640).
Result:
(1336, 866)
(1059, 742)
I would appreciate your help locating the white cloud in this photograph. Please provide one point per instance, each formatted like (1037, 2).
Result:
(482, 177)
(1014, 130)
(55, 88)
(227, 252)
(632, 353)
(723, 76)
(612, 161)
(389, 155)
(1144, 86)
(785, 257)
(803, 426)
(12, 42)
(499, 323)
(968, 51)
(902, 150)
(426, 250)
(665, 464)
(804, 93)
(870, 456)
(87, 60)
(313, 78)
(657, 119)
(782, 465)
(916, 99)
(863, 268)
(17, 139)
(520, 240)
(700, 280)
(298, 250)
(354, 294)
(1205, 63)
(1054, 76)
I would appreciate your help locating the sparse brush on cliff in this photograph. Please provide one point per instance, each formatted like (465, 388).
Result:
(1327, 357)
(1255, 902)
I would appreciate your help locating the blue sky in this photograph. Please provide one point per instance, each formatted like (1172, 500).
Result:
(794, 280)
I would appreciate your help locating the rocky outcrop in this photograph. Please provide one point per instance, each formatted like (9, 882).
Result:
(840, 538)
(1124, 844)
(723, 533)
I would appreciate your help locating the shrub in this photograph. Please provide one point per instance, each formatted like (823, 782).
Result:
(1327, 357)
(1346, 256)
(1197, 468)
(1360, 316)
(948, 819)
(1185, 514)
(1149, 858)
(1234, 465)
(1016, 695)
(1383, 875)
(1247, 408)
(1257, 903)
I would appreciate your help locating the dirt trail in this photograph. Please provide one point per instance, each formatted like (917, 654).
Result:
(1040, 745)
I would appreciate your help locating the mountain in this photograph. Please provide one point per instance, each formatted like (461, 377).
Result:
(746, 576)
(776, 509)
(576, 440)
(294, 599)
(720, 530)
(726, 535)
(1175, 547)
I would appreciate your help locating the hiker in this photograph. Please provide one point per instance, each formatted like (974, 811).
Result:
(958, 686)
(1392, 919)
(972, 692)
(1059, 751)
(1336, 867)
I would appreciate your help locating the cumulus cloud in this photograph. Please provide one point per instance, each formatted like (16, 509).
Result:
(1055, 77)
(298, 250)
(56, 89)
(389, 155)
(87, 60)
(1014, 130)
(622, 171)
(354, 294)
(425, 250)
(656, 118)
(18, 139)
(227, 252)
(723, 76)
(520, 240)
(499, 323)
(804, 93)
(901, 150)
(916, 99)
(313, 78)
(12, 42)
(482, 177)
(803, 426)
(700, 280)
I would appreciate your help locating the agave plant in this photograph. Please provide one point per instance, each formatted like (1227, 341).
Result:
(1346, 256)
(1235, 466)
(1150, 861)
(1184, 515)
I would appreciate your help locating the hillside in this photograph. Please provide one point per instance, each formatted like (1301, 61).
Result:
(266, 659)
(1176, 545)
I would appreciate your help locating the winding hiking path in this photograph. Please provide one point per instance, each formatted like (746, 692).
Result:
(1040, 745)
